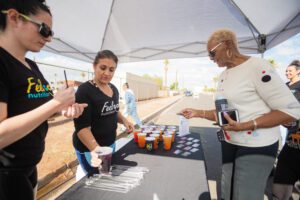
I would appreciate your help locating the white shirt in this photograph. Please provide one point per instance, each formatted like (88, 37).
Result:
(254, 89)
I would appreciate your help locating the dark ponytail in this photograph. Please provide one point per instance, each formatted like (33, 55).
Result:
(26, 7)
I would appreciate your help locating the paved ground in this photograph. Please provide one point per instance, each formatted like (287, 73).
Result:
(210, 144)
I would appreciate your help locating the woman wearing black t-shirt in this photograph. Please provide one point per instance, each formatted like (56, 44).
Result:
(288, 165)
(26, 100)
(98, 123)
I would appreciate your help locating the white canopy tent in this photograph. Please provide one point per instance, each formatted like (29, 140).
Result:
(140, 30)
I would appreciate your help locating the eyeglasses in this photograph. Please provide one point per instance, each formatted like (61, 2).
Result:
(44, 29)
(212, 52)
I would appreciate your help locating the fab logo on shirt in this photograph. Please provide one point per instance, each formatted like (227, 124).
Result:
(109, 108)
(36, 89)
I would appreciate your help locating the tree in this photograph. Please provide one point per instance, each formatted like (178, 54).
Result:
(215, 80)
(83, 75)
(158, 80)
(174, 86)
(272, 62)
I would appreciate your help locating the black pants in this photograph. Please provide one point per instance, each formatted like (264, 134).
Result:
(287, 172)
(18, 183)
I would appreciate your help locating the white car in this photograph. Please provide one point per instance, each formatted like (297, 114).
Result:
(196, 95)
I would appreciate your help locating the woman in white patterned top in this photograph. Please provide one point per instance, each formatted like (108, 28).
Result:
(252, 87)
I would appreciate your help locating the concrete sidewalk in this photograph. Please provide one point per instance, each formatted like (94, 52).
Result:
(59, 153)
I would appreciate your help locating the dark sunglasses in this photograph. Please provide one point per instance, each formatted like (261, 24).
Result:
(44, 29)
(212, 52)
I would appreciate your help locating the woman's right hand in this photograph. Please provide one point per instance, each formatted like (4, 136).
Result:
(65, 97)
(189, 113)
(95, 160)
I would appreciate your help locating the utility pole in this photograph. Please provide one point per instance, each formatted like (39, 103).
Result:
(166, 62)
(176, 81)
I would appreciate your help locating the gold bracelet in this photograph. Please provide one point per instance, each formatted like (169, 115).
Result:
(254, 124)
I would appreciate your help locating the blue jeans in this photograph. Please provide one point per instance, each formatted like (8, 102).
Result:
(84, 159)
(133, 113)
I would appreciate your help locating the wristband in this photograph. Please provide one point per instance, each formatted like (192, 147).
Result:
(254, 124)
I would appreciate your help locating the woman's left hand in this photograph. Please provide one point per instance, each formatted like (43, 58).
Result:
(129, 126)
(232, 125)
(74, 111)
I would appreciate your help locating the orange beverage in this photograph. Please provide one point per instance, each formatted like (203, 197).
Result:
(156, 136)
(141, 140)
(161, 134)
(167, 141)
(171, 133)
(135, 136)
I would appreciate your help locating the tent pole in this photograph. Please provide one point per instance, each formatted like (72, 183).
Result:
(284, 28)
(250, 24)
(108, 20)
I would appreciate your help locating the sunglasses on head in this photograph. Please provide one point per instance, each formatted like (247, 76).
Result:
(212, 52)
(44, 29)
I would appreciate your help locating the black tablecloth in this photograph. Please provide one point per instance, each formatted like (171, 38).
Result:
(171, 176)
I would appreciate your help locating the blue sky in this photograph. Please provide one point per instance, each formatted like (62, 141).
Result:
(193, 73)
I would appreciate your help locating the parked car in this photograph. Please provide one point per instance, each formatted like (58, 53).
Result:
(188, 93)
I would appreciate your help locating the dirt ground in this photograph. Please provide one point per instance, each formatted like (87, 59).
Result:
(59, 150)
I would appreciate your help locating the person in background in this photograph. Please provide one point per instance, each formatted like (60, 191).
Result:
(26, 100)
(130, 105)
(97, 125)
(249, 146)
(288, 166)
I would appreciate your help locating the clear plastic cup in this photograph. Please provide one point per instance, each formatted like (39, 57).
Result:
(142, 140)
(105, 154)
(167, 142)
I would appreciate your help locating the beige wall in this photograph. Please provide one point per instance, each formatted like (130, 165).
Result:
(142, 88)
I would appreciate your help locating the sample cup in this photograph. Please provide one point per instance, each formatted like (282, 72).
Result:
(156, 136)
(141, 140)
(167, 142)
(150, 143)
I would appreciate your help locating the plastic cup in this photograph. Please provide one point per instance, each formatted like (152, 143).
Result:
(150, 143)
(167, 142)
(161, 134)
(142, 140)
(105, 154)
(171, 132)
(156, 136)
(135, 136)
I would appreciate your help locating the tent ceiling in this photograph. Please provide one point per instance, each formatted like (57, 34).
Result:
(139, 30)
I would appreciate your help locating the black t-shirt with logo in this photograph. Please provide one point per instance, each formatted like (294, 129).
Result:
(292, 138)
(101, 115)
(24, 90)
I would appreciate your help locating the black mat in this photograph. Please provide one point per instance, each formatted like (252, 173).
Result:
(171, 176)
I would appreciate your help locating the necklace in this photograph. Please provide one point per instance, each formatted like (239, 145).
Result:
(96, 85)
(108, 90)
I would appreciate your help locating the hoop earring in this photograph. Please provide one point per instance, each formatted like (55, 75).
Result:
(227, 53)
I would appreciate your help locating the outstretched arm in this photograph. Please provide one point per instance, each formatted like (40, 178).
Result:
(14, 128)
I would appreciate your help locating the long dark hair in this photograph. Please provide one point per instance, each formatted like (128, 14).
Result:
(26, 7)
(295, 63)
